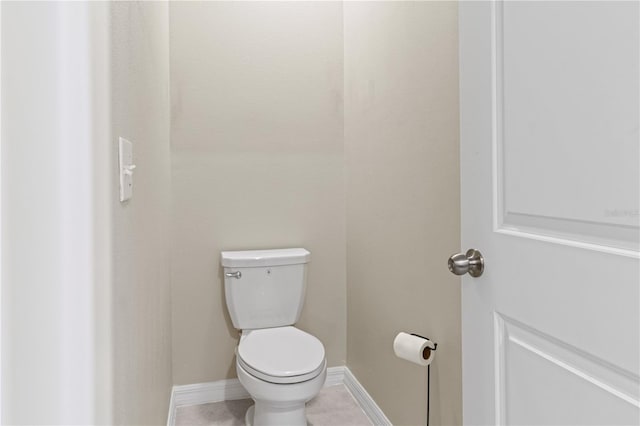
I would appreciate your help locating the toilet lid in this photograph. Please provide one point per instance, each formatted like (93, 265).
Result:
(281, 355)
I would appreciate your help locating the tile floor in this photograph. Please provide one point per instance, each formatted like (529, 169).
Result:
(334, 406)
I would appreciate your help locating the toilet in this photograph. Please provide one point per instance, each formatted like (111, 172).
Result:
(281, 366)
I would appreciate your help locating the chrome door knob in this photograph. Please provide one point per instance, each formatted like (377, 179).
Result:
(471, 262)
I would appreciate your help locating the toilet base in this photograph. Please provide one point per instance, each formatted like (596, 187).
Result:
(248, 417)
(279, 404)
(275, 416)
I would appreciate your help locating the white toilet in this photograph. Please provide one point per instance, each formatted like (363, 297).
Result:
(280, 366)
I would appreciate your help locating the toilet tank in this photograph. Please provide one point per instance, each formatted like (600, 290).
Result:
(265, 288)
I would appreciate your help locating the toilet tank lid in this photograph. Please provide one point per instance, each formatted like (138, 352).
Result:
(261, 258)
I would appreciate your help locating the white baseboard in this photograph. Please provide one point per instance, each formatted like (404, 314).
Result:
(204, 393)
(230, 389)
(335, 376)
(365, 401)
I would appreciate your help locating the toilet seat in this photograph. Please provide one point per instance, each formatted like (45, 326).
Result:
(281, 354)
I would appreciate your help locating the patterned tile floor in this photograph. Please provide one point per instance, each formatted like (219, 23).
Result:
(334, 406)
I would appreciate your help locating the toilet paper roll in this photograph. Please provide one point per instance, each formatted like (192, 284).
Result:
(414, 348)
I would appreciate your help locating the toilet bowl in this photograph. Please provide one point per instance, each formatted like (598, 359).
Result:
(281, 366)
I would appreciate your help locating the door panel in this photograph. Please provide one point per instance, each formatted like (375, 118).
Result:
(567, 114)
(550, 154)
(538, 370)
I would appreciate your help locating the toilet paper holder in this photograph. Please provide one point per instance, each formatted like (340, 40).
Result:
(435, 345)
(426, 355)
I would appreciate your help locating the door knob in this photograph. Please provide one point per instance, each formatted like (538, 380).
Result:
(471, 262)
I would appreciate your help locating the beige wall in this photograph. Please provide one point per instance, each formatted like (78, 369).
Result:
(261, 151)
(401, 144)
(257, 162)
(141, 271)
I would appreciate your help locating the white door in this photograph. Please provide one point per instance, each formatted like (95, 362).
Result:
(550, 196)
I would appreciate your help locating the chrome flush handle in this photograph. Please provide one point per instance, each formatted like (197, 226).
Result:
(236, 274)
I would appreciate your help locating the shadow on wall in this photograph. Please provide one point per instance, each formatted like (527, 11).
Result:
(233, 332)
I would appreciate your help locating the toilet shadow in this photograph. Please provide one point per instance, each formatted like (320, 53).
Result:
(233, 332)
(236, 410)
